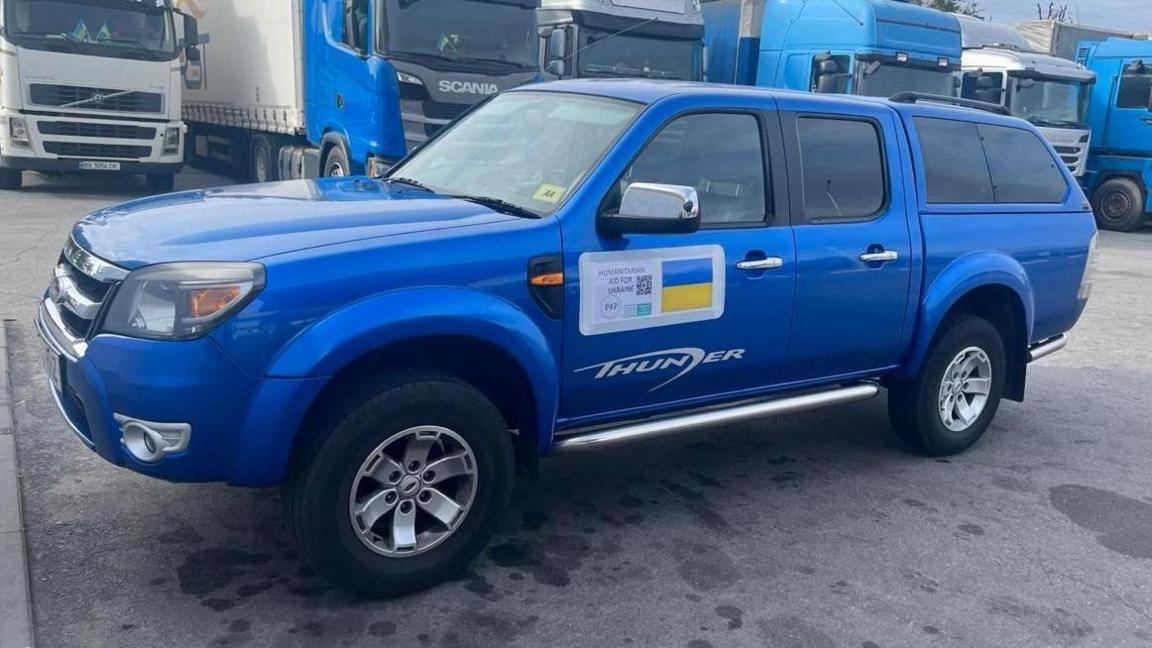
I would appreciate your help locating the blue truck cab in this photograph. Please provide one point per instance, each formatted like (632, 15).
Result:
(863, 47)
(570, 266)
(1119, 175)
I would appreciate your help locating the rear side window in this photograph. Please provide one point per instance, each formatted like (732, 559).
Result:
(954, 162)
(967, 163)
(843, 166)
(1023, 170)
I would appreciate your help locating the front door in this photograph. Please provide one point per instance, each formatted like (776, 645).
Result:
(678, 319)
(1130, 121)
(853, 244)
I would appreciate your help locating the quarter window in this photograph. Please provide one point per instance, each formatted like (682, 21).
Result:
(1023, 170)
(843, 168)
(954, 162)
(721, 155)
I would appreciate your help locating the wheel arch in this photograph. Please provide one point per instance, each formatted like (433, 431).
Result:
(990, 285)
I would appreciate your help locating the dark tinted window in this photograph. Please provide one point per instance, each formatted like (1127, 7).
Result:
(356, 24)
(720, 155)
(954, 163)
(843, 168)
(1023, 169)
(1135, 91)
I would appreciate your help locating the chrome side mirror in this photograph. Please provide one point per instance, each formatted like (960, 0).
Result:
(651, 208)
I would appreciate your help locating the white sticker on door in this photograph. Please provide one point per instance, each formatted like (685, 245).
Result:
(627, 291)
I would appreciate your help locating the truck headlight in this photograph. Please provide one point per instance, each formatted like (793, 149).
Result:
(1089, 269)
(178, 301)
(172, 140)
(18, 128)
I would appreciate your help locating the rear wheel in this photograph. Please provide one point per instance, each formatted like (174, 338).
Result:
(949, 406)
(161, 183)
(265, 162)
(11, 179)
(1119, 205)
(406, 487)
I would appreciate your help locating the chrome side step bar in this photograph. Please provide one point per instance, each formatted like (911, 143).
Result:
(744, 412)
(1047, 348)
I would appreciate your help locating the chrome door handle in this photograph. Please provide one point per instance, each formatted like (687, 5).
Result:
(886, 256)
(771, 263)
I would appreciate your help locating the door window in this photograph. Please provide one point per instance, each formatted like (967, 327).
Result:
(842, 163)
(721, 155)
(356, 25)
(1135, 90)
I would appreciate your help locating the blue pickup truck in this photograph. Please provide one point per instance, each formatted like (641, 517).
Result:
(570, 266)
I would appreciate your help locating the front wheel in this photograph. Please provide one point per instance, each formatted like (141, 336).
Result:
(407, 487)
(161, 183)
(950, 405)
(11, 179)
(336, 163)
(1119, 205)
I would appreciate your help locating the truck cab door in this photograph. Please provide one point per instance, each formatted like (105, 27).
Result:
(854, 250)
(659, 322)
(1130, 123)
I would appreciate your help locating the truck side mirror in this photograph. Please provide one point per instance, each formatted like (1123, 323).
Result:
(192, 54)
(988, 90)
(651, 208)
(191, 32)
(556, 51)
(827, 71)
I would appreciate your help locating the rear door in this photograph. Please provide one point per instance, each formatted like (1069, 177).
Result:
(853, 241)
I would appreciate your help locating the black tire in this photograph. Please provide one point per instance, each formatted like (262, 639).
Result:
(336, 163)
(161, 183)
(264, 163)
(11, 179)
(316, 495)
(914, 405)
(1119, 205)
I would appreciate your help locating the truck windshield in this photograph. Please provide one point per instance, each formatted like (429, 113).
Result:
(528, 149)
(877, 79)
(114, 28)
(1056, 103)
(470, 32)
(634, 55)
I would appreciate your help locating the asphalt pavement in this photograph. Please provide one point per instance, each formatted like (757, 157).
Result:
(812, 530)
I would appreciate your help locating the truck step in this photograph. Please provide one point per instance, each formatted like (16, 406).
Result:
(741, 412)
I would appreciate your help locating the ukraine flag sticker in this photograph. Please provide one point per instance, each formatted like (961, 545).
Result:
(687, 285)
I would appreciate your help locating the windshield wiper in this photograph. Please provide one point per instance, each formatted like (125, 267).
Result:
(499, 205)
(411, 183)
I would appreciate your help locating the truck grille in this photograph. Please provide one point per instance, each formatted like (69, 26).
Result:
(423, 117)
(1073, 156)
(81, 284)
(62, 96)
(85, 150)
(87, 129)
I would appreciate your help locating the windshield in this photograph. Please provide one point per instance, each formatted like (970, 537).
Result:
(116, 28)
(877, 79)
(632, 55)
(463, 31)
(1049, 102)
(530, 149)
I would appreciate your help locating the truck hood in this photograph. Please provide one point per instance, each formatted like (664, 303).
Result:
(247, 223)
(107, 74)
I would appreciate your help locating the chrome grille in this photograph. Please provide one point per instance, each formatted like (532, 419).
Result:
(65, 96)
(92, 129)
(87, 150)
(81, 283)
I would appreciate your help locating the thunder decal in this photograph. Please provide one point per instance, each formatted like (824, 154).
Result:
(642, 289)
(662, 362)
(687, 285)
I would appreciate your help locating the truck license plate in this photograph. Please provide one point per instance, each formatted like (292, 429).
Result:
(51, 361)
(91, 165)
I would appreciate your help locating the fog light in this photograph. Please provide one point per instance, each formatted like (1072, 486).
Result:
(172, 139)
(149, 442)
(19, 130)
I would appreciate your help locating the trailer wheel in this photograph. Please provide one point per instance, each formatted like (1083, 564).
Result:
(336, 163)
(11, 179)
(406, 483)
(1119, 205)
(161, 183)
(265, 160)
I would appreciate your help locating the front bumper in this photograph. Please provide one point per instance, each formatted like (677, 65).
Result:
(242, 426)
(60, 142)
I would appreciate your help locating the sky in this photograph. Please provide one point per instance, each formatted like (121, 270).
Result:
(1128, 15)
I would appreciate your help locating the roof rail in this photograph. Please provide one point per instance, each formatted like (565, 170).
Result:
(916, 97)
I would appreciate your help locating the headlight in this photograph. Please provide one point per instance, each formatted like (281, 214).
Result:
(172, 140)
(177, 301)
(19, 130)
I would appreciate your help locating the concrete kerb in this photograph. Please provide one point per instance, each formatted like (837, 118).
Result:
(15, 598)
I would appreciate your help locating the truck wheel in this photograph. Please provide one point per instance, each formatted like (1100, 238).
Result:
(408, 484)
(1119, 205)
(949, 406)
(11, 179)
(336, 163)
(161, 183)
(265, 160)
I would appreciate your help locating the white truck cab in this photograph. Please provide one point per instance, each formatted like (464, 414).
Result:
(92, 86)
(1000, 67)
